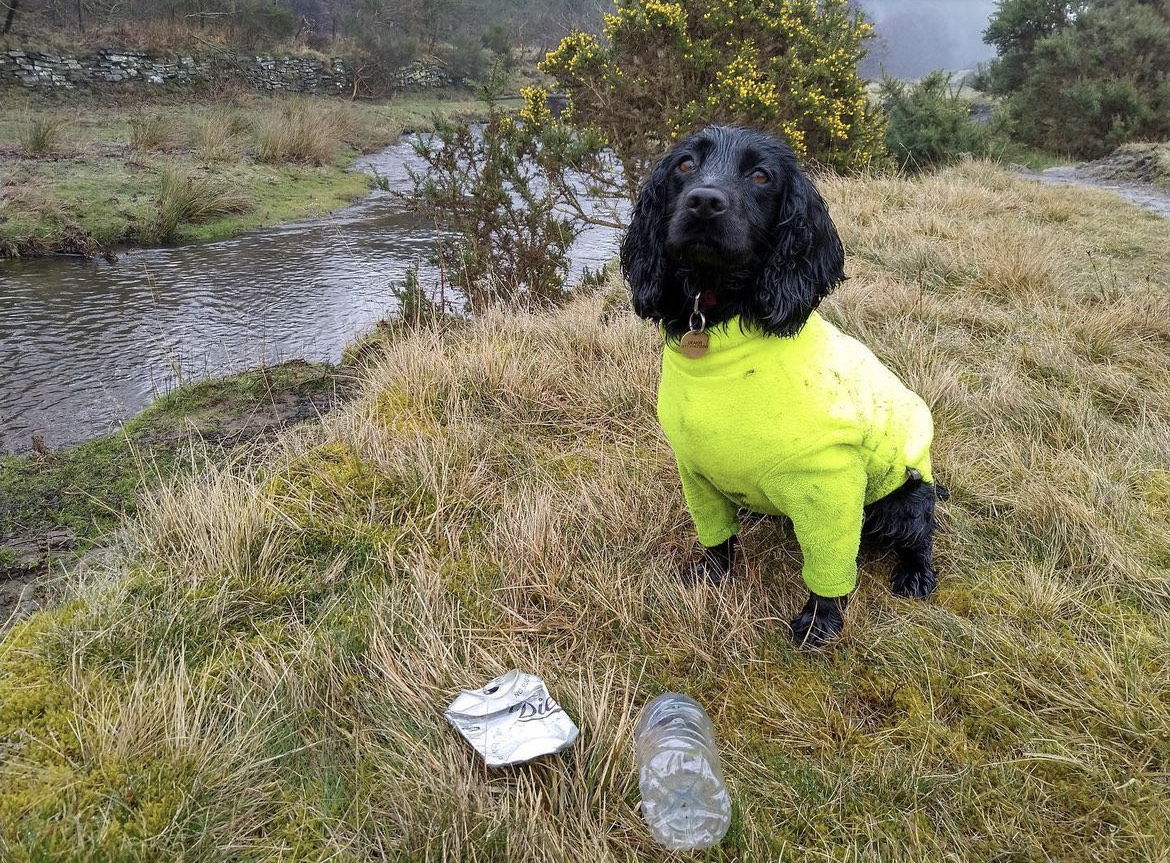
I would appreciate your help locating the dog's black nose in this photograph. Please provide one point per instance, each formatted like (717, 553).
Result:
(706, 202)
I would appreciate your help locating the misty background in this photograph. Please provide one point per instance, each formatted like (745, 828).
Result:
(915, 36)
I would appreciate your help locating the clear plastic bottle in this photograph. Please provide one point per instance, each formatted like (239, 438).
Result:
(684, 800)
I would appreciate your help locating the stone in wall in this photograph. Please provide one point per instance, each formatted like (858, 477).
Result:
(425, 74)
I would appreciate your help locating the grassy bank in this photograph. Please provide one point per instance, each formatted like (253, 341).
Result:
(56, 505)
(87, 178)
(258, 670)
(1135, 163)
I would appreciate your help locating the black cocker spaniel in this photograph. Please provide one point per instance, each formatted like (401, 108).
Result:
(767, 406)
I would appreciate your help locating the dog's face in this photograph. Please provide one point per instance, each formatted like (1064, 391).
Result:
(722, 198)
(729, 214)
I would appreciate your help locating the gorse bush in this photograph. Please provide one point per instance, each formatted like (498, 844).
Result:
(1083, 77)
(504, 193)
(929, 123)
(662, 69)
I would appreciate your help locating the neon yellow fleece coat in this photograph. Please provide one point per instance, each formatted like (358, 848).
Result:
(812, 427)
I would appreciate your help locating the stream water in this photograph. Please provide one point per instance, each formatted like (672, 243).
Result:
(84, 345)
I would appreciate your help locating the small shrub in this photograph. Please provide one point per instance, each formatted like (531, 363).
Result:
(40, 135)
(500, 197)
(186, 198)
(381, 54)
(417, 306)
(929, 123)
(466, 60)
(497, 38)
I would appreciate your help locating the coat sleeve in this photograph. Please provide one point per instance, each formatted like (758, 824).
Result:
(716, 518)
(823, 493)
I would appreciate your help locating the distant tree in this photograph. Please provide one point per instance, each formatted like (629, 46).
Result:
(1082, 77)
(1016, 27)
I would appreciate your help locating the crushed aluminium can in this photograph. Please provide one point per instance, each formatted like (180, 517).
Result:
(511, 719)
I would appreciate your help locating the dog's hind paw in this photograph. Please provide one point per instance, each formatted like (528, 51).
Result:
(819, 622)
(913, 582)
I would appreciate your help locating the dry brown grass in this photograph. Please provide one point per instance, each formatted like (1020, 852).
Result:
(214, 137)
(151, 131)
(260, 673)
(300, 130)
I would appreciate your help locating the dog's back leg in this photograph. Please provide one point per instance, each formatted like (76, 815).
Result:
(903, 521)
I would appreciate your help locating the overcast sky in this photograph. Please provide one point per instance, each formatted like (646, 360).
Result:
(917, 36)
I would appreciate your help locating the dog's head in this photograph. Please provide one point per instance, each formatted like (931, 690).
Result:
(730, 215)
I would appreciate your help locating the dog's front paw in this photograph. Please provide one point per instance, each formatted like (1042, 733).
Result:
(913, 582)
(819, 622)
(713, 564)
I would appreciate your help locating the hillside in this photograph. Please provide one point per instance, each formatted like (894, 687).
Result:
(258, 669)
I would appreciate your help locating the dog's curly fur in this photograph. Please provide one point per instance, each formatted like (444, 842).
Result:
(730, 217)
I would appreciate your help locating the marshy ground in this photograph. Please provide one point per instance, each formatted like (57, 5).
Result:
(90, 177)
(257, 665)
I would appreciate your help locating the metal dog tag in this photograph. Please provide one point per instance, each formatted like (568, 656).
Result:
(694, 344)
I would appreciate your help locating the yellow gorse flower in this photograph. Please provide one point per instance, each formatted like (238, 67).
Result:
(535, 112)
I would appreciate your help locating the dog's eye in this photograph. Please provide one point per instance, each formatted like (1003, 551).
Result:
(760, 177)
(686, 166)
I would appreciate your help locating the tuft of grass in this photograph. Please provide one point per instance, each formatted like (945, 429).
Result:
(262, 662)
(62, 503)
(302, 131)
(214, 137)
(150, 131)
(190, 198)
(40, 134)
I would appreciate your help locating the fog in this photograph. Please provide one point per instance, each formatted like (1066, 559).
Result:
(916, 36)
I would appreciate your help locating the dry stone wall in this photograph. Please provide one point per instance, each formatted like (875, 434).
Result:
(42, 71)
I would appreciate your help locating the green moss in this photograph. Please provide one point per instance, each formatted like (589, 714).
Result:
(35, 702)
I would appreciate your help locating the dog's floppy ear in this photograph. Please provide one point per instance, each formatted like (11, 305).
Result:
(643, 252)
(807, 260)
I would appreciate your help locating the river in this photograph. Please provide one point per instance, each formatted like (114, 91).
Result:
(85, 345)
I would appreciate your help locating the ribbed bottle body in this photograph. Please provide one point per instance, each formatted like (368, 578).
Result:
(684, 799)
